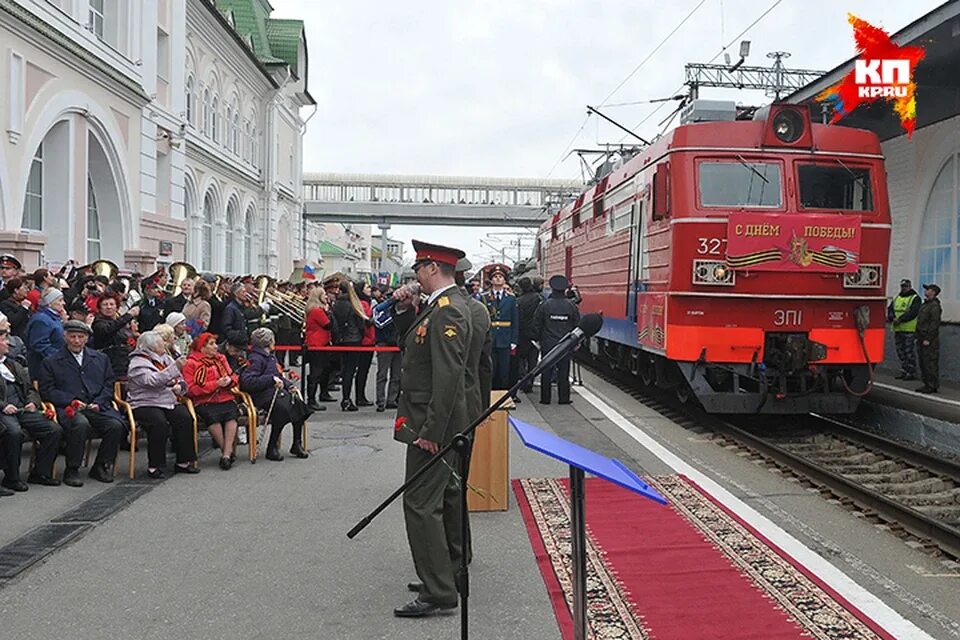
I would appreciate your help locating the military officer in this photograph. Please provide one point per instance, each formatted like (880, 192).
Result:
(928, 339)
(504, 323)
(9, 269)
(435, 404)
(554, 319)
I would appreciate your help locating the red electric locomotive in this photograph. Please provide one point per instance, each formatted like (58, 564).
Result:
(740, 261)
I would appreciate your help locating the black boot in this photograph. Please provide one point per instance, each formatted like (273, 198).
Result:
(297, 450)
(273, 452)
(347, 405)
(312, 396)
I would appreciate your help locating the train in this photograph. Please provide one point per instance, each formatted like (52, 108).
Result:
(741, 263)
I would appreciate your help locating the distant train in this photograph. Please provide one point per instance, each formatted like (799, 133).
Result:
(739, 262)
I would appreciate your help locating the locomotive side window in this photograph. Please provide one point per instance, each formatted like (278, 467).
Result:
(837, 186)
(740, 184)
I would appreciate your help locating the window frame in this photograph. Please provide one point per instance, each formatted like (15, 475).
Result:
(750, 160)
(852, 165)
(36, 161)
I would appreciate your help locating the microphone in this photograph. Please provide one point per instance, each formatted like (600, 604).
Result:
(588, 326)
(383, 312)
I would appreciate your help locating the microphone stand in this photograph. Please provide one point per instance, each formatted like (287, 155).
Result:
(461, 444)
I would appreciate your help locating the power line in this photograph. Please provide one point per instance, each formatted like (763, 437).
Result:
(563, 155)
(651, 54)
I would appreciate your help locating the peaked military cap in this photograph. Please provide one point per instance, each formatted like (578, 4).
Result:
(427, 252)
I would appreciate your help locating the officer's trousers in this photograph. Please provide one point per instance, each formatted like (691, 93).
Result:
(930, 363)
(562, 369)
(501, 368)
(423, 514)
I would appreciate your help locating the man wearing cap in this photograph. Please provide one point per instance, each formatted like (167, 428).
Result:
(45, 330)
(178, 302)
(504, 323)
(928, 338)
(9, 269)
(79, 383)
(151, 308)
(434, 406)
(902, 314)
(554, 319)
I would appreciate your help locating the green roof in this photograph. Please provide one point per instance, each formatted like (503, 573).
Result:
(284, 39)
(327, 248)
(274, 41)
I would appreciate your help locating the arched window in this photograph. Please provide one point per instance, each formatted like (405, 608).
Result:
(235, 132)
(33, 201)
(214, 120)
(940, 234)
(191, 107)
(230, 235)
(93, 224)
(228, 126)
(206, 112)
(206, 234)
(251, 261)
(246, 140)
(254, 149)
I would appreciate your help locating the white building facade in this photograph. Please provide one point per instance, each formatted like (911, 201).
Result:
(146, 131)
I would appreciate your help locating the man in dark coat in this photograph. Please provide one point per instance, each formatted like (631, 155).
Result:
(554, 319)
(21, 410)
(151, 308)
(434, 406)
(234, 321)
(928, 339)
(79, 383)
(527, 352)
(178, 302)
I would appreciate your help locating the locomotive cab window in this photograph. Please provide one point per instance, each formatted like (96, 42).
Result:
(838, 186)
(740, 183)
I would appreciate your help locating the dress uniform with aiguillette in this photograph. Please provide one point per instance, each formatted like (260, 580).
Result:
(435, 405)
(554, 319)
(504, 326)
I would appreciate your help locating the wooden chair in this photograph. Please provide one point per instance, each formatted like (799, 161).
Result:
(249, 418)
(120, 398)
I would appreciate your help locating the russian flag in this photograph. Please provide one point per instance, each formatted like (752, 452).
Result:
(309, 272)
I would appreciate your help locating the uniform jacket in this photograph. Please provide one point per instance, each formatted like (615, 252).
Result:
(479, 376)
(928, 320)
(436, 347)
(504, 319)
(554, 319)
(151, 314)
(202, 373)
(22, 380)
(116, 339)
(63, 380)
(150, 380)
(44, 338)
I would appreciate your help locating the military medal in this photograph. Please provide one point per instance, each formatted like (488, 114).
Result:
(421, 334)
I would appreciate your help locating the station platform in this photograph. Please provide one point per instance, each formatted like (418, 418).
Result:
(261, 551)
(943, 405)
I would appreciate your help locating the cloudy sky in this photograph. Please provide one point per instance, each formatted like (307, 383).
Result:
(499, 88)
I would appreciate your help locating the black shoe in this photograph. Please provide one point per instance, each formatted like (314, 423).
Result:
(315, 406)
(544, 402)
(233, 458)
(381, 408)
(187, 469)
(348, 405)
(416, 587)
(226, 463)
(100, 473)
(363, 402)
(391, 405)
(326, 397)
(565, 402)
(273, 454)
(71, 478)
(923, 389)
(15, 485)
(5, 492)
(928, 390)
(156, 474)
(420, 609)
(900, 376)
(46, 481)
(297, 451)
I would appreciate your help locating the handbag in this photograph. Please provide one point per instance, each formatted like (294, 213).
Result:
(299, 411)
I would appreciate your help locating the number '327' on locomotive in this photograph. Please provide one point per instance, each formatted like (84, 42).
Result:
(739, 262)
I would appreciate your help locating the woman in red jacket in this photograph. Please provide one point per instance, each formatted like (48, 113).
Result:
(369, 340)
(209, 383)
(319, 327)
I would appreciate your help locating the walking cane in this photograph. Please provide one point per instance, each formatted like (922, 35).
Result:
(266, 420)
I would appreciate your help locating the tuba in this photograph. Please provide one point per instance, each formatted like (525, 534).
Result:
(282, 304)
(179, 271)
(104, 268)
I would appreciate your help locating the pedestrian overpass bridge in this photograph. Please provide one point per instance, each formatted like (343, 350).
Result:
(386, 200)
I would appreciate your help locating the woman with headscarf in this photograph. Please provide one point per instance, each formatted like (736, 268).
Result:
(209, 383)
(113, 334)
(369, 340)
(351, 325)
(153, 384)
(262, 379)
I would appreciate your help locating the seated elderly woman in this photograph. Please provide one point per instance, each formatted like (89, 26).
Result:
(209, 383)
(170, 340)
(262, 380)
(153, 384)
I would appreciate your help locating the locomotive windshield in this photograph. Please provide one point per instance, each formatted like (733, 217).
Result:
(739, 183)
(836, 186)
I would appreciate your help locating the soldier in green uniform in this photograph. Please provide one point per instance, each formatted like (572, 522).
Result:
(435, 404)
(928, 339)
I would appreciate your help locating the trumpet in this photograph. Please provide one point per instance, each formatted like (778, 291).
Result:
(285, 306)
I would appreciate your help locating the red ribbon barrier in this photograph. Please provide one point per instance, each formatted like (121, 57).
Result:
(357, 348)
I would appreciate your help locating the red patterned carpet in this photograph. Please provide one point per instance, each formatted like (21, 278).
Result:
(688, 571)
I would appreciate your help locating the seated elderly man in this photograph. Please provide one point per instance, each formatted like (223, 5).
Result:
(261, 379)
(20, 410)
(79, 382)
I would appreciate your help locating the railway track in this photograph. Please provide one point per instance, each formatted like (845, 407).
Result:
(912, 492)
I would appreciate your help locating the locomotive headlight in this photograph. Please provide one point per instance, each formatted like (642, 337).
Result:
(788, 125)
(720, 273)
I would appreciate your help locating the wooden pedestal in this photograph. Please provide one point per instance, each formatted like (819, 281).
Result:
(489, 463)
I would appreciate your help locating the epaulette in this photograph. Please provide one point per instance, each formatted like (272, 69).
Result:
(443, 301)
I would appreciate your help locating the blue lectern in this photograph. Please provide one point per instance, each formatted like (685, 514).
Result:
(581, 459)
